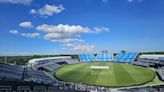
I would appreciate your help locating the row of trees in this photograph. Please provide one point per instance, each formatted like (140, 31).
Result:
(152, 52)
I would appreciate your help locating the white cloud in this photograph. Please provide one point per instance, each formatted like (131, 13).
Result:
(100, 29)
(80, 47)
(130, 1)
(33, 11)
(26, 24)
(104, 1)
(70, 29)
(63, 28)
(52, 36)
(83, 47)
(67, 35)
(48, 10)
(68, 44)
(70, 35)
(62, 38)
(16, 1)
(14, 31)
(31, 35)
(68, 40)
(59, 35)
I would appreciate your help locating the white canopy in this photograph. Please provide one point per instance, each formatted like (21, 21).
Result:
(152, 56)
(33, 61)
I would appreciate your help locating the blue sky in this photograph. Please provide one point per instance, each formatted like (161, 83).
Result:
(74, 26)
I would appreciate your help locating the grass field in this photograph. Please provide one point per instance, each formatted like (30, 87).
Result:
(117, 75)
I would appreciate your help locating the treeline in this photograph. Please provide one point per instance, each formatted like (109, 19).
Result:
(22, 60)
(152, 52)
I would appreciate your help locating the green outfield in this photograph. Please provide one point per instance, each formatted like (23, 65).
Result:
(117, 75)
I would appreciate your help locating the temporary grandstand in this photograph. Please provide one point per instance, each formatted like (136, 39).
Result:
(126, 57)
(87, 57)
(106, 56)
(152, 57)
(37, 61)
(157, 60)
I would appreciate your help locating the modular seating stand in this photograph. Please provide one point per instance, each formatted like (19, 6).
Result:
(87, 57)
(104, 56)
(126, 57)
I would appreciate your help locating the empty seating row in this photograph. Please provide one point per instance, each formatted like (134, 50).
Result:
(9, 66)
(37, 76)
(9, 76)
(2, 69)
(145, 64)
(51, 67)
(8, 71)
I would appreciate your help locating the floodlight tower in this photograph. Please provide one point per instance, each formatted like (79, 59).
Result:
(6, 59)
(105, 51)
